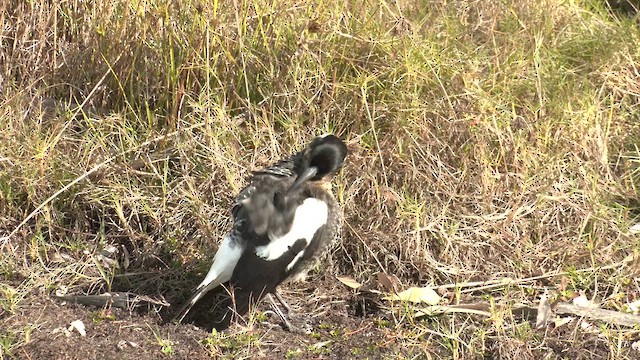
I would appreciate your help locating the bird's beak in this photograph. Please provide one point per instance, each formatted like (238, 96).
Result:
(302, 178)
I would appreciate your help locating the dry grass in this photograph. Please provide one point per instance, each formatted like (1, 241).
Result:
(489, 140)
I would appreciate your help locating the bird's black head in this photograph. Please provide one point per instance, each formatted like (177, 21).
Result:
(324, 156)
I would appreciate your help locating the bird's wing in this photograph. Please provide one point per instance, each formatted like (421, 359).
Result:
(283, 168)
(309, 218)
(220, 272)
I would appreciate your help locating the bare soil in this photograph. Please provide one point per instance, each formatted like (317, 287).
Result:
(344, 325)
(122, 334)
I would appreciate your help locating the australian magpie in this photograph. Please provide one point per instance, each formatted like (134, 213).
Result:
(284, 220)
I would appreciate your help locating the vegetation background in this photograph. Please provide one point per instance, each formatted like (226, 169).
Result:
(489, 140)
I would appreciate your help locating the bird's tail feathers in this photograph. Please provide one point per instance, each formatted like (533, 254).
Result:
(199, 293)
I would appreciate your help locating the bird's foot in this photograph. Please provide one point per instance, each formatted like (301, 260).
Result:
(291, 323)
(298, 325)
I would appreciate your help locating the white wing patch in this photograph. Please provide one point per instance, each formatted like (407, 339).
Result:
(223, 263)
(309, 217)
(221, 270)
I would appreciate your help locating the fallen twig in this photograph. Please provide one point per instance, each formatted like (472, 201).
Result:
(491, 284)
(448, 309)
(123, 300)
(608, 316)
(484, 309)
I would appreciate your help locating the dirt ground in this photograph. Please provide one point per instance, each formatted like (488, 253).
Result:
(345, 329)
(347, 326)
(127, 335)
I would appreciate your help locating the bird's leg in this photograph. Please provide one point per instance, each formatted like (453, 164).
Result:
(278, 312)
(282, 302)
(304, 328)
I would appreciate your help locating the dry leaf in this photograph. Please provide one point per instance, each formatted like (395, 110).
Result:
(544, 310)
(582, 301)
(417, 295)
(61, 258)
(585, 325)
(321, 344)
(125, 260)
(564, 282)
(389, 283)
(634, 307)
(59, 330)
(350, 282)
(61, 290)
(78, 325)
(122, 344)
(560, 321)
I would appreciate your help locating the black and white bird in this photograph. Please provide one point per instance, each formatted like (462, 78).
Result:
(284, 221)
